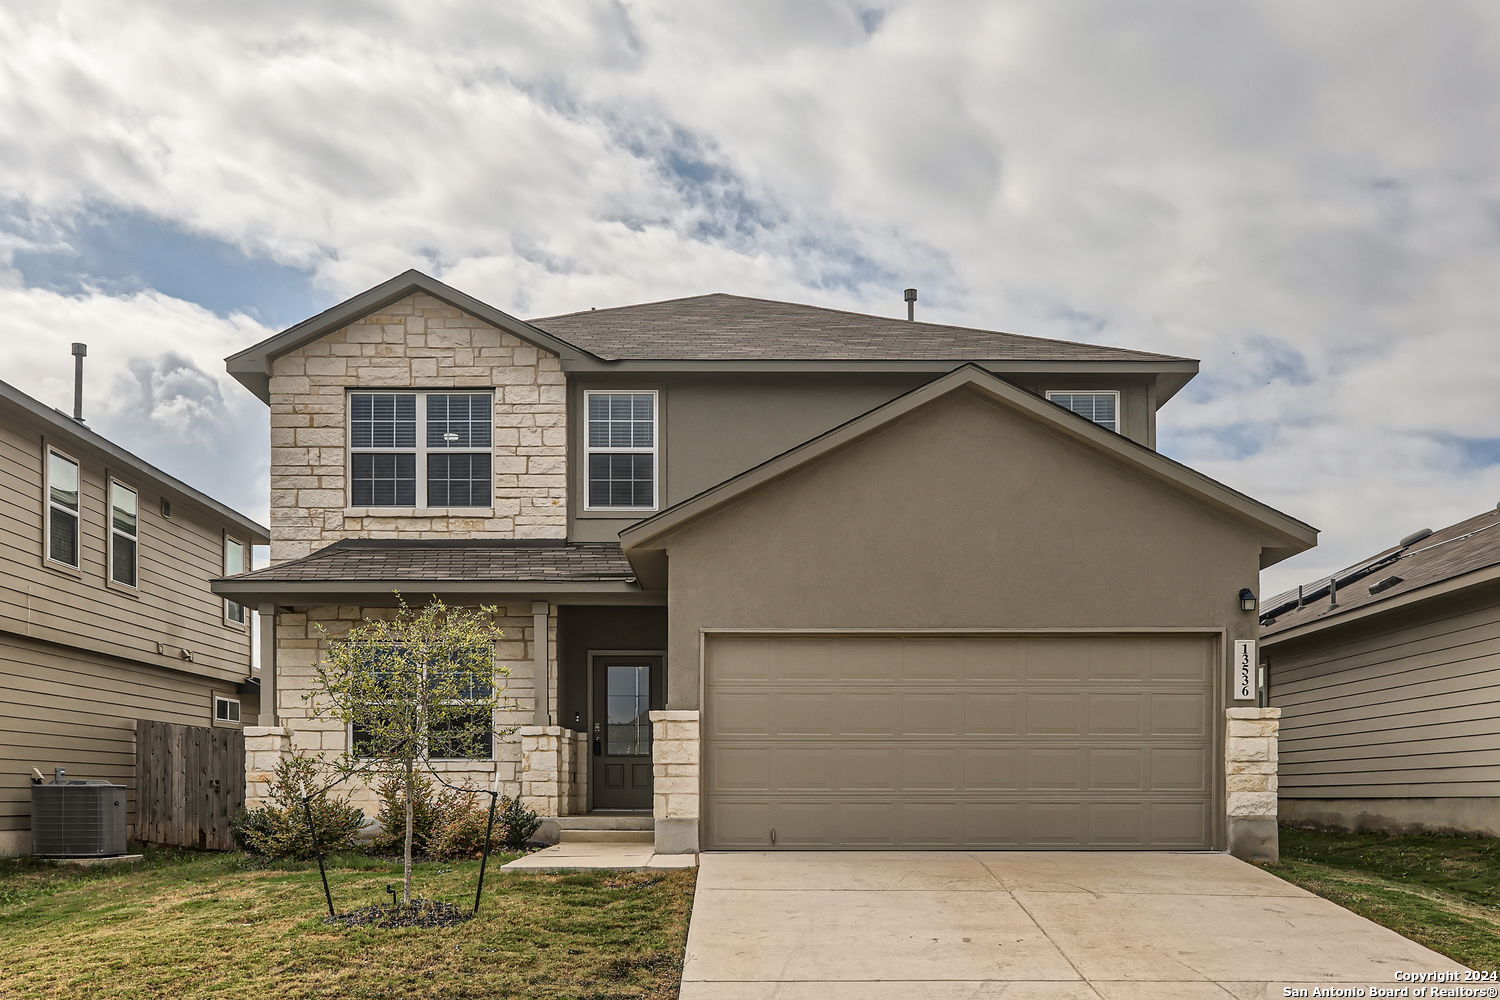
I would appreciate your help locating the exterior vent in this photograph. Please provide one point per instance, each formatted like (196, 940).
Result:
(1385, 584)
(77, 819)
(1414, 537)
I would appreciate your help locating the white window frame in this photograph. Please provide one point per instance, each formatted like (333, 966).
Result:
(249, 558)
(1092, 392)
(238, 719)
(421, 451)
(494, 735)
(654, 451)
(48, 505)
(111, 531)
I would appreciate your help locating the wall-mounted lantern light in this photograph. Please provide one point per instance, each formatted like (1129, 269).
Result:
(1248, 603)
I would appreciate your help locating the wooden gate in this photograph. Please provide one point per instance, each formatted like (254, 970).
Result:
(189, 783)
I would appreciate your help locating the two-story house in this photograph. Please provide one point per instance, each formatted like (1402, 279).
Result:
(106, 613)
(779, 576)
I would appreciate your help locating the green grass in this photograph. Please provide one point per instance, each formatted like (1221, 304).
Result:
(187, 925)
(1442, 892)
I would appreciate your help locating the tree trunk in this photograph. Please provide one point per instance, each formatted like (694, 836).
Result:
(406, 857)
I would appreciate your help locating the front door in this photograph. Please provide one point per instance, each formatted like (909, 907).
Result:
(626, 688)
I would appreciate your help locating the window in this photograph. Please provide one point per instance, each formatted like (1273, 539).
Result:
(235, 562)
(420, 449)
(1103, 408)
(620, 449)
(226, 709)
(124, 534)
(460, 735)
(62, 509)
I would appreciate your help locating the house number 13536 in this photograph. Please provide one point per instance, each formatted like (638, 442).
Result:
(1242, 674)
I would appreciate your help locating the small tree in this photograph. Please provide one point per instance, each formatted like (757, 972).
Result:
(412, 687)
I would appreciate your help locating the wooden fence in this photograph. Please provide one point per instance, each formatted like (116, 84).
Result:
(189, 783)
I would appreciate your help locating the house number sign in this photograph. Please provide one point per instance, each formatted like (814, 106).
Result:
(1242, 671)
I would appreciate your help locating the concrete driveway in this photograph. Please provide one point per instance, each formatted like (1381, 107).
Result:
(1051, 926)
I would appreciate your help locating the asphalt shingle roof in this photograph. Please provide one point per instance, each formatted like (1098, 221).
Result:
(395, 560)
(721, 327)
(1469, 545)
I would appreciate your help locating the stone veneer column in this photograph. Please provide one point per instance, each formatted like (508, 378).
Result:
(549, 769)
(264, 747)
(675, 771)
(1250, 782)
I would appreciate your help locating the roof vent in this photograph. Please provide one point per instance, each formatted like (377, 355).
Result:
(1414, 537)
(1385, 584)
(911, 304)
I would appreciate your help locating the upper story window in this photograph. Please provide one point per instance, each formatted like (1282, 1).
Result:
(236, 560)
(62, 509)
(124, 534)
(1102, 407)
(620, 450)
(420, 449)
(226, 709)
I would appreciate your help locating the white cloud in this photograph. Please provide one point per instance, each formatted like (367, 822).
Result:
(1305, 196)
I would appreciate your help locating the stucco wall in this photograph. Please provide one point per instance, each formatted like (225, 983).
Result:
(961, 514)
(417, 342)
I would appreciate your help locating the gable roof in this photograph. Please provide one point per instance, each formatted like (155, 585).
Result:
(736, 327)
(68, 433)
(1452, 558)
(252, 366)
(1282, 535)
(719, 331)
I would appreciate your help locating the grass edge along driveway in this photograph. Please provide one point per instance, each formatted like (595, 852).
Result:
(213, 925)
(1442, 892)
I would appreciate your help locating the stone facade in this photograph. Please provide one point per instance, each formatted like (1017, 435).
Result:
(554, 770)
(1250, 781)
(299, 645)
(422, 343)
(676, 788)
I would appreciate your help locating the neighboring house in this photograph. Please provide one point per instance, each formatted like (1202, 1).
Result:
(106, 615)
(1388, 678)
(779, 576)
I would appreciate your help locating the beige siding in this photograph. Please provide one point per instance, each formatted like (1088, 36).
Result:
(1406, 705)
(77, 710)
(173, 605)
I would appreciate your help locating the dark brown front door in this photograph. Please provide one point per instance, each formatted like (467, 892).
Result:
(626, 689)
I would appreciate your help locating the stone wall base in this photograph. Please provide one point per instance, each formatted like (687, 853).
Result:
(1250, 782)
(1463, 816)
(675, 771)
(554, 769)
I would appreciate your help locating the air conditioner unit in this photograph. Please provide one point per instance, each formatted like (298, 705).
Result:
(72, 818)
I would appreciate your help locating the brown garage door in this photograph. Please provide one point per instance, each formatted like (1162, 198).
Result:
(1045, 742)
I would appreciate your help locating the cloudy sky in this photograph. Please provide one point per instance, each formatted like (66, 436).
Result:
(1306, 196)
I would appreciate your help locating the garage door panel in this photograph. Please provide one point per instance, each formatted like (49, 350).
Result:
(1061, 714)
(1071, 742)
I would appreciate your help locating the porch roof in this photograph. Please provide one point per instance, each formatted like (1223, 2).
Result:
(363, 566)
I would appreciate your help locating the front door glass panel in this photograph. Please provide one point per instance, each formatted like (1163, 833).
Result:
(628, 708)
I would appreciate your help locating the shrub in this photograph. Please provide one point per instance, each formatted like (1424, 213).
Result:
(425, 817)
(515, 824)
(462, 831)
(279, 831)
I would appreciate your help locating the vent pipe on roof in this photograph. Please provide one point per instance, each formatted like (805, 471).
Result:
(911, 304)
(1414, 537)
(1333, 592)
(80, 351)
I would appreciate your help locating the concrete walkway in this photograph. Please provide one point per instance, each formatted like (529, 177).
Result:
(584, 855)
(1050, 926)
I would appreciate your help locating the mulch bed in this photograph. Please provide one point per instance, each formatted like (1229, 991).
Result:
(417, 913)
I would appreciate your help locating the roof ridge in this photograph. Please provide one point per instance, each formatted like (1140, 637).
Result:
(849, 312)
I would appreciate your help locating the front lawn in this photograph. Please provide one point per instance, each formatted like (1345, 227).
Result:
(186, 925)
(1443, 892)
